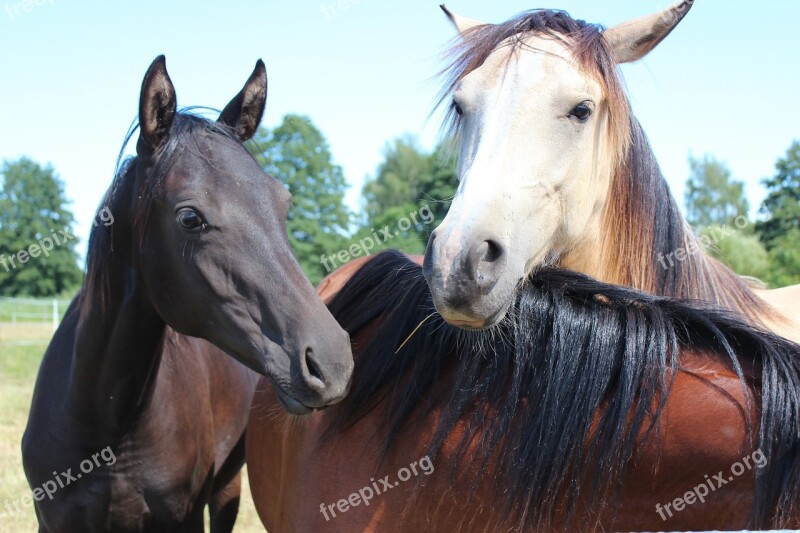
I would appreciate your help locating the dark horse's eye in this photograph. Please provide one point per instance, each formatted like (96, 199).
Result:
(189, 219)
(581, 112)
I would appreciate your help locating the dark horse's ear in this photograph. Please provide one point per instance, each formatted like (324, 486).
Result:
(245, 111)
(157, 104)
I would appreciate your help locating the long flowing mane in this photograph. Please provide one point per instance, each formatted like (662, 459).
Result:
(641, 225)
(528, 391)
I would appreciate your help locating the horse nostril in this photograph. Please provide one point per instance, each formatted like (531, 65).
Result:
(311, 365)
(493, 252)
(485, 264)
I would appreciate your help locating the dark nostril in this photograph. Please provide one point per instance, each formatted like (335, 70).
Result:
(485, 264)
(311, 365)
(493, 252)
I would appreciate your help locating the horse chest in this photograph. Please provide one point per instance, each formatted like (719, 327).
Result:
(154, 487)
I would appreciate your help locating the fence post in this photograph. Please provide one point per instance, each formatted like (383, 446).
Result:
(55, 315)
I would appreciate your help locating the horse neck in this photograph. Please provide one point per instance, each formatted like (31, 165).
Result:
(645, 243)
(119, 335)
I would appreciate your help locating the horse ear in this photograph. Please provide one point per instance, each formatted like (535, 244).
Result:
(157, 104)
(245, 111)
(463, 25)
(631, 41)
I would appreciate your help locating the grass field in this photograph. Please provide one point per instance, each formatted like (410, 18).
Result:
(18, 367)
(28, 321)
(31, 310)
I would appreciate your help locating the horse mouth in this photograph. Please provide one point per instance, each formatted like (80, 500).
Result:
(468, 323)
(471, 326)
(290, 404)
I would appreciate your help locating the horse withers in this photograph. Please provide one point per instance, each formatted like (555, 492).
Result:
(142, 399)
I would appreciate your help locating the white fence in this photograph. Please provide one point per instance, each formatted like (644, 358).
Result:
(30, 321)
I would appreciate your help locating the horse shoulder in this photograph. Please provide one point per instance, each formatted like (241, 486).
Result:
(333, 282)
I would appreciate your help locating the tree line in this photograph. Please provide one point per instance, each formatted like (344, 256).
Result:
(765, 245)
(407, 197)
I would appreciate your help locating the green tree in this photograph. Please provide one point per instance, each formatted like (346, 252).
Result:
(712, 195)
(742, 251)
(399, 179)
(374, 237)
(409, 181)
(33, 215)
(783, 200)
(784, 258)
(441, 188)
(297, 153)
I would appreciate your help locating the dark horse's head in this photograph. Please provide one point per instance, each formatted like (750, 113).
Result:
(208, 235)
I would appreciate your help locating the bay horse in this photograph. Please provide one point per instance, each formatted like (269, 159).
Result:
(554, 169)
(590, 407)
(138, 416)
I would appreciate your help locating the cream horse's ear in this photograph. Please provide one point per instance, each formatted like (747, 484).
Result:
(631, 41)
(462, 24)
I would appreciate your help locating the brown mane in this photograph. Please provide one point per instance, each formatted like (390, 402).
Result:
(641, 222)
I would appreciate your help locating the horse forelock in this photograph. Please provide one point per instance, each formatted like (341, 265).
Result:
(584, 40)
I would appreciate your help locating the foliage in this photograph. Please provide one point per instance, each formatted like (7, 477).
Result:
(712, 195)
(33, 213)
(297, 153)
(784, 258)
(399, 179)
(783, 200)
(409, 180)
(742, 251)
(770, 251)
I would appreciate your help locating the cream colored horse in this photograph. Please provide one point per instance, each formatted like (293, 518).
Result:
(554, 169)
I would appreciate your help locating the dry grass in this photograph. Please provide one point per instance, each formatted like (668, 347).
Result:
(18, 367)
(25, 333)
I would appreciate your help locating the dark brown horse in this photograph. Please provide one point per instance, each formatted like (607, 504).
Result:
(591, 407)
(137, 424)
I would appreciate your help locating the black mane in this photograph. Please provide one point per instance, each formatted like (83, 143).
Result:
(570, 345)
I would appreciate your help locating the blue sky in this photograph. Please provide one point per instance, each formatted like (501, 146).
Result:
(725, 82)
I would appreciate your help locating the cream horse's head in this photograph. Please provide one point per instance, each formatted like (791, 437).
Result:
(543, 122)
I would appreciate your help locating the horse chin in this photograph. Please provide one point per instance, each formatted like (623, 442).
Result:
(290, 404)
(470, 323)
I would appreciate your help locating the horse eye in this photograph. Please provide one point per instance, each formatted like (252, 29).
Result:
(190, 220)
(581, 112)
(457, 109)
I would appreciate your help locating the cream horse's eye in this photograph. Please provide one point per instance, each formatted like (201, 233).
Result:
(457, 108)
(581, 112)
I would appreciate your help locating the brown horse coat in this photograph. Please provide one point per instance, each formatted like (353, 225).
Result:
(296, 471)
